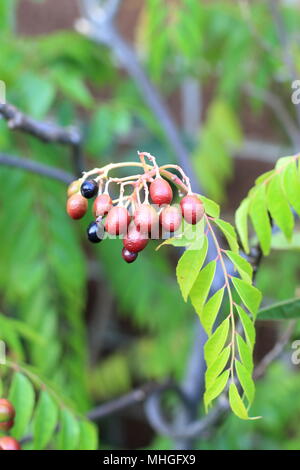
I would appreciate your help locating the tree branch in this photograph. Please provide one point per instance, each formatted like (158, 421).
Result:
(46, 132)
(35, 167)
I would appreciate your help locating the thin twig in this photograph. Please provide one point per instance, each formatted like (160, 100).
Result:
(35, 167)
(47, 132)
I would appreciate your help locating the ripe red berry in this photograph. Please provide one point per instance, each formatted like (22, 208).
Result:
(161, 192)
(7, 410)
(192, 208)
(129, 256)
(73, 188)
(146, 218)
(102, 205)
(6, 425)
(170, 218)
(76, 206)
(135, 240)
(9, 443)
(117, 220)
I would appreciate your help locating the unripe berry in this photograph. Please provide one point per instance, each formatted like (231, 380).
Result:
(170, 218)
(95, 232)
(6, 425)
(161, 192)
(192, 208)
(117, 220)
(89, 188)
(135, 240)
(146, 218)
(73, 188)
(76, 206)
(129, 256)
(7, 410)
(9, 443)
(102, 205)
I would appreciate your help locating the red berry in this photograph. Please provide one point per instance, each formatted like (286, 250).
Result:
(102, 205)
(117, 220)
(7, 410)
(146, 218)
(135, 240)
(9, 443)
(129, 256)
(73, 188)
(192, 208)
(161, 192)
(6, 425)
(170, 218)
(76, 206)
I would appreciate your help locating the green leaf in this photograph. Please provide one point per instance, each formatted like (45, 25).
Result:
(22, 396)
(236, 402)
(245, 353)
(229, 233)
(250, 295)
(243, 267)
(279, 207)
(68, 436)
(192, 237)
(45, 420)
(241, 222)
(88, 439)
(247, 325)
(246, 381)
(286, 310)
(188, 268)
(291, 183)
(216, 342)
(217, 367)
(210, 311)
(216, 389)
(211, 208)
(260, 219)
(202, 286)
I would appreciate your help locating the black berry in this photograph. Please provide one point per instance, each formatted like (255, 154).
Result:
(94, 232)
(89, 188)
(128, 256)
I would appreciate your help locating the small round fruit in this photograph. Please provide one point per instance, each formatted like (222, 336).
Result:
(73, 188)
(129, 256)
(6, 425)
(192, 209)
(76, 206)
(94, 233)
(161, 192)
(146, 218)
(7, 410)
(9, 443)
(89, 188)
(117, 220)
(102, 205)
(170, 218)
(135, 240)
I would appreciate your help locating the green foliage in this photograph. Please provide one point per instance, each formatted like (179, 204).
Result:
(228, 356)
(272, 197)
(41, 410)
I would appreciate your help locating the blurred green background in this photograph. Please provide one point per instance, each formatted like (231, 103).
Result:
(108, 327)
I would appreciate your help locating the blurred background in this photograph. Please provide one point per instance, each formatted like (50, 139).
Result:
(222, 72)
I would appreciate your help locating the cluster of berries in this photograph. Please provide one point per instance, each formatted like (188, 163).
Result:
(145, 220)
(7, 416)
